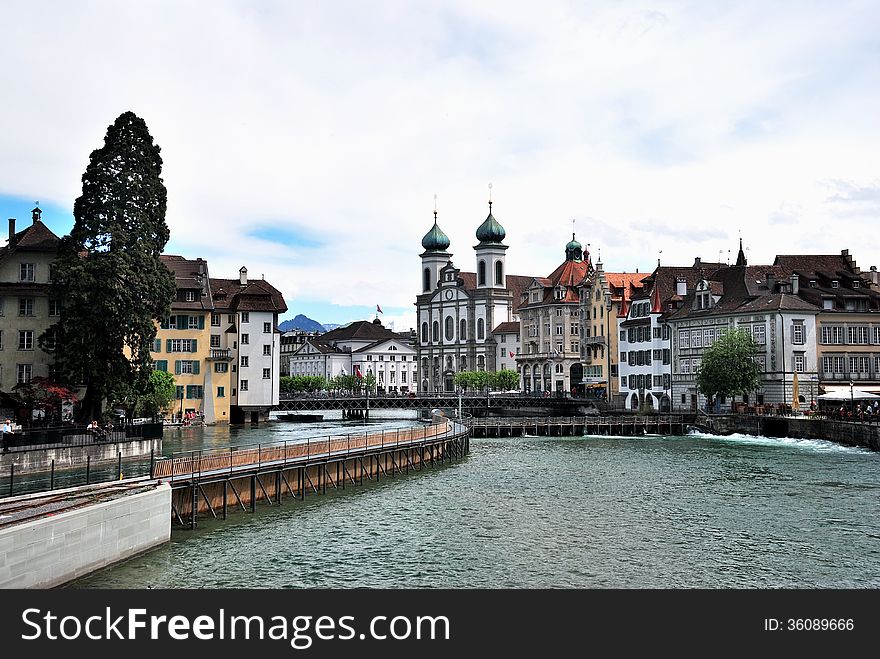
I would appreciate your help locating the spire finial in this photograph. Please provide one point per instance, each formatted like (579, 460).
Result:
(435, 208)
(659, 252)
(490, 198)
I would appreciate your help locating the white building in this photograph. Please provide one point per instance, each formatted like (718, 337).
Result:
(253, 336)
(360, 348)
(457, 310)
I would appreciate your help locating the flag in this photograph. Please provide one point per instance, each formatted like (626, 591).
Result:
(511, 354)
(357, 371)
(379, 309)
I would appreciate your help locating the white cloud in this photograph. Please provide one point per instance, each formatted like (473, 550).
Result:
(699, 118)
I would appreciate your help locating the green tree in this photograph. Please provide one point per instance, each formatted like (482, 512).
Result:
(369, 382)
(729, 367)
(108, 271)
(160, 392)
(504, 380)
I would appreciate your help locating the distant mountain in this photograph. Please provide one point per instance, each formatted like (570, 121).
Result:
(302, 322)
(331, 326)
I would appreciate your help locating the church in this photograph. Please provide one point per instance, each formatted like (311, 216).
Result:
(465, 317)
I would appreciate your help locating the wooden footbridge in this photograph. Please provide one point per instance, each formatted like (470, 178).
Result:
(210, 482)
(622, 425)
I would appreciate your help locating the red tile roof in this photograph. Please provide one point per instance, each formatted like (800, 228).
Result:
(509, 327)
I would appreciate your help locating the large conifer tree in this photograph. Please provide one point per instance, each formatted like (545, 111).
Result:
(108, 275)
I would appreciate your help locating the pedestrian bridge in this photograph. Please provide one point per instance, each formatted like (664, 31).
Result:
(449, 401)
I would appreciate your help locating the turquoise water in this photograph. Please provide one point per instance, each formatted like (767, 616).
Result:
(591, 512)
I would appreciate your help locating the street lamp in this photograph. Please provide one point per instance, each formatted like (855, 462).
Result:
(852, 407)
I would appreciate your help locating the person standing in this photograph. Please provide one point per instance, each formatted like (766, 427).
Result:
(7, 431)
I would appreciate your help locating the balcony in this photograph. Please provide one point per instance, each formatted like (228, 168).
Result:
(593, 340)
(220, 355)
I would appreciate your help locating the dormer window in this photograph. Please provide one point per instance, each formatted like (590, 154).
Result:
(856, 283)
(835, 284)
(814, 283)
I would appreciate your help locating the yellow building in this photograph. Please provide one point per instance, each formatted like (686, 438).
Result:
(183, 345)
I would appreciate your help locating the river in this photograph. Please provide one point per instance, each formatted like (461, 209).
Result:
(535, 512)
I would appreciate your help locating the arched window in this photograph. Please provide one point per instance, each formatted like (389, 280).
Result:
(450, 328)
(462, 330)
(424, 332)
(426, 276)
(481, 329)
(499, 279)
(481, 363)
(435, 331)
(463, 362)
(481, 273)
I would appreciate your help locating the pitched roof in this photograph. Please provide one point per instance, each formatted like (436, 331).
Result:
(256, 295)
(189, 274)
(35, 238)
(361, 330)
(509, 327)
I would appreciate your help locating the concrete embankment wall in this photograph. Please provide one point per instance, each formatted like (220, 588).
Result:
(852, 434)
(53, 550)
(35, 460)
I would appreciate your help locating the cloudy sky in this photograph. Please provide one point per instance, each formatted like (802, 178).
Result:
(307, 140)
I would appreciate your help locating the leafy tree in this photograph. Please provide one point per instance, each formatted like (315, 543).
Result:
(729, 367)
(369, 382)
(504, 380)
(108, 270)
(161, 391)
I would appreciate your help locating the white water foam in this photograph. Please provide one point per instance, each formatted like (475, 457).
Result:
(820, 445)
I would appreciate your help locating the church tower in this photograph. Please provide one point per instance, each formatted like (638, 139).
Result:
(435, 256)
(491, 270)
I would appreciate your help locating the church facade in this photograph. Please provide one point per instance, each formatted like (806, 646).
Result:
(459, 312)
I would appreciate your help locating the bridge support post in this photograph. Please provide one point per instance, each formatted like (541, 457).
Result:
(225, 499)
(195, 506)
(253, 494)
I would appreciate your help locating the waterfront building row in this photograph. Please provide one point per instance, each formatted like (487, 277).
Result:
(638, 338)
(220, 341)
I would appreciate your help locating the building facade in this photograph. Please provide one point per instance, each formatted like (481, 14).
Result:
(361, 348)
(291, 341)
(457, 311)
(250, 309)
(26, 306)
(602, 296)
(550, 327)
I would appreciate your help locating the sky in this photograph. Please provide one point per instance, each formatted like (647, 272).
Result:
(307, 141)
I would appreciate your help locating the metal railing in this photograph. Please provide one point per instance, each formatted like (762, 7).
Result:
(196, 464)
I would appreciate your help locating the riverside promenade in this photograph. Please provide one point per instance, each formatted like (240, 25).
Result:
(50, 538)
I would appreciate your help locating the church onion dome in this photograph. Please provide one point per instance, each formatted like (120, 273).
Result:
(490, 231)
(574, 250)
(435, 240)
(573, 244)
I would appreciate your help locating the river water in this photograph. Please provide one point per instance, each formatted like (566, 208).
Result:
(588, 512)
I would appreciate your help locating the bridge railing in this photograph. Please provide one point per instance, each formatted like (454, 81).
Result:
(187, 464)
(653, 419)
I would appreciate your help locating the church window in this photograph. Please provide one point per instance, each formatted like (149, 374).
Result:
(424, 332)
(481, 273)
(481, 329)
(435, 331)
(450, 328)
(427, 280)
(499, 278)
(462, 330)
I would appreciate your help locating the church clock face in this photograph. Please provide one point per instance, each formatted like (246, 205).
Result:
(449, 295)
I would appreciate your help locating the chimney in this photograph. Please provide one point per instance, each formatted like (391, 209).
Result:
(875, 279)
(242, 276)
(11, 229)
(681, 286)
(771, 281)
(795, 283)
